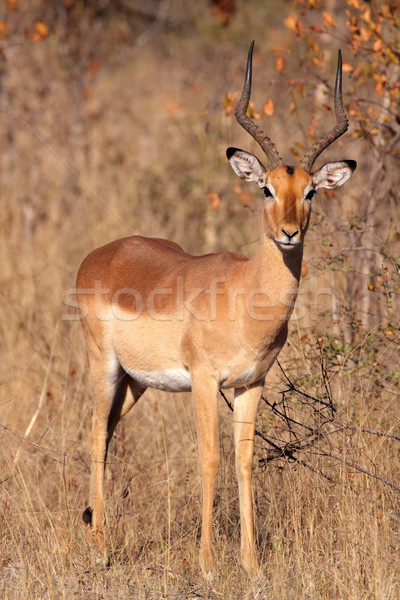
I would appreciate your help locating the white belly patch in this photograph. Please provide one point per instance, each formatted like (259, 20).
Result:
(248, 376)
(168, 380)
(179, 380)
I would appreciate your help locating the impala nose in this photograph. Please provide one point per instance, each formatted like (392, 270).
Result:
(289, 235)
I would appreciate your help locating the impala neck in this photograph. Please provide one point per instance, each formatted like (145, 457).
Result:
(275, 273)
(273, 263)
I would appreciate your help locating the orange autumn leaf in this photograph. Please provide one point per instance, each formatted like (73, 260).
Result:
(328, 19)
(245, 200)
(347, 67)
(293, 23)
(229, 102)
(366, 16)
(251, 111)
(318, 61)
(290, 22)
(41, 28)
(300, 88)
(280, 63)
(365, 34)
(377, 45)
(215, 199)
(41, 31)
(244, 197)
(269, 107)
(3, 30)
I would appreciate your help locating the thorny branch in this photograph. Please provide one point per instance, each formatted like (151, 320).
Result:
(296, 437)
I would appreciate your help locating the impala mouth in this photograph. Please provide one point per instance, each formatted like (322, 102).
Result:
(287, 244)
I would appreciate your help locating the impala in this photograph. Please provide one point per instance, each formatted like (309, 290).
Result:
(156, 316)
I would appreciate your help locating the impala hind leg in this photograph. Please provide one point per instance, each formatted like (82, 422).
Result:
(245, 414)
(112, 401)
(205, 391)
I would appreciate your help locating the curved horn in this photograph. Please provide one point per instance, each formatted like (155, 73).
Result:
(240, 113)
(341, 126)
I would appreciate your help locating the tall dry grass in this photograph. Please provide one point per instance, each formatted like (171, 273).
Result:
(86, 160)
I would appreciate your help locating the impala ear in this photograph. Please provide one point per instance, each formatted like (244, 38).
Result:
(247, 166)
(333, 174)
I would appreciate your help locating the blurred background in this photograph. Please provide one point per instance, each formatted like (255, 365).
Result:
(114, 120)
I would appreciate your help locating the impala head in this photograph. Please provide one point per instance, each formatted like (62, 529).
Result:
(288, 191)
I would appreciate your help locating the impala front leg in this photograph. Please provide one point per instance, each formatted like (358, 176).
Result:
(245, 413)
(205, 389)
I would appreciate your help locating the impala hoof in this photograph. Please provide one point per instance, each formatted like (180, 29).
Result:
(259, 584)
(207, 566)
(87, 516)
(252, 568)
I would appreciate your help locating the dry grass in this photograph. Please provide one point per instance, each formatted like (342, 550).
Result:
(80, 170)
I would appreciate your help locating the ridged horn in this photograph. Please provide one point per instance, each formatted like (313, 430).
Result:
(248, 125)
(341, 126)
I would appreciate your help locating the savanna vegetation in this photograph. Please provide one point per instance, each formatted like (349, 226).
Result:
(114, 119)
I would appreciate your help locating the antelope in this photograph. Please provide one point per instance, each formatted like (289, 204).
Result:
(155, 316)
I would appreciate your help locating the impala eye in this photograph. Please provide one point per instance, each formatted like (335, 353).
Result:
(267, 192)
(310, 195)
